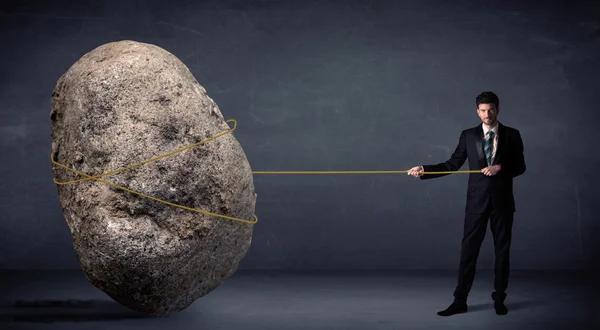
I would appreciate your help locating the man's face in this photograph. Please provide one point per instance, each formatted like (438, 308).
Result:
(488, 113)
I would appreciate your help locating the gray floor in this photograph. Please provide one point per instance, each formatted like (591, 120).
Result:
(272, 300)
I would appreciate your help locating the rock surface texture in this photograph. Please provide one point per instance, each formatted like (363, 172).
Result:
(123, 103)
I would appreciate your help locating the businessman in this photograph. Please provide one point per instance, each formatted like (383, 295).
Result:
(496, 150)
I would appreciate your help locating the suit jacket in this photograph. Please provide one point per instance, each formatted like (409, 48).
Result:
(483, 189)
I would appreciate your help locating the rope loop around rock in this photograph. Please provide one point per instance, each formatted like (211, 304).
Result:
(255, 220)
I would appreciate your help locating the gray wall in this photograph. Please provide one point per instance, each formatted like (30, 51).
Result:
(335, 85)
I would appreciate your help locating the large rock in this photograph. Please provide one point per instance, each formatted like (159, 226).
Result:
(124, 103)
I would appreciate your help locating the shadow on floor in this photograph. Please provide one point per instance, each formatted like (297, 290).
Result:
(512, 306)
(50, 311)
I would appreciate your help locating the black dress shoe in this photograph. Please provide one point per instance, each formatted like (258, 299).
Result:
(500, 308)
(454, 308)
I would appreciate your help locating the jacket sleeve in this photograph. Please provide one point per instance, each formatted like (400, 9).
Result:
(515, 165)
(456, 161)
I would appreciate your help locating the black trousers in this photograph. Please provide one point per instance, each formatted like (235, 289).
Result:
(475, 227)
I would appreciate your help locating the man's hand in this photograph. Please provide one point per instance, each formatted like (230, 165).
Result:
(416, 171)
(491, 170)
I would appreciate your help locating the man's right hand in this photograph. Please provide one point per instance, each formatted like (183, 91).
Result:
(416, 171)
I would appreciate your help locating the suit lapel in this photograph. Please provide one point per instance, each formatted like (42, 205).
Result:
(479, 145)
(501, 143)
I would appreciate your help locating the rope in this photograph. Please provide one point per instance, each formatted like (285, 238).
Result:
(361, 172)
(98, 177)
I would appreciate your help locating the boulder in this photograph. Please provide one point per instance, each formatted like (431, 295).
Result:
(124, 103)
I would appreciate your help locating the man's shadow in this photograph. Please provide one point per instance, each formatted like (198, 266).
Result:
(50, 311)
(512, 306)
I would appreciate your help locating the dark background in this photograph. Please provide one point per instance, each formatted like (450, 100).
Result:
(335, 85)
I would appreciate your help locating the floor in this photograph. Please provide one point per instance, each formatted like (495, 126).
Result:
(328, 300)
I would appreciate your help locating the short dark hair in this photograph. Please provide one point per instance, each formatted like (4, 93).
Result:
(487, 97)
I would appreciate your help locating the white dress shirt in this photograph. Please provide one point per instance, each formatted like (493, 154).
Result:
(495, 141)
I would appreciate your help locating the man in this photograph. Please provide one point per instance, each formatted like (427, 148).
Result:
(498, 151)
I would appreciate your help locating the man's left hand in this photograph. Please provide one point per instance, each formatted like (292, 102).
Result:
(491, 170)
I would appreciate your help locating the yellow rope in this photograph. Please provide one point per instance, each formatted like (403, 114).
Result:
(97, 177)
(361, 172)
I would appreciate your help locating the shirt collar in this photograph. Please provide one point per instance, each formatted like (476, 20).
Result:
(494, 129)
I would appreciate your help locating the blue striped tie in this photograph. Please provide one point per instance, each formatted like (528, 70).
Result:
(488, 146)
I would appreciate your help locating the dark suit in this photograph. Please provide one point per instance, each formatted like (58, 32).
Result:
(488, 197)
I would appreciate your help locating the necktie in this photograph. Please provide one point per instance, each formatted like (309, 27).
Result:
(489, 143)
